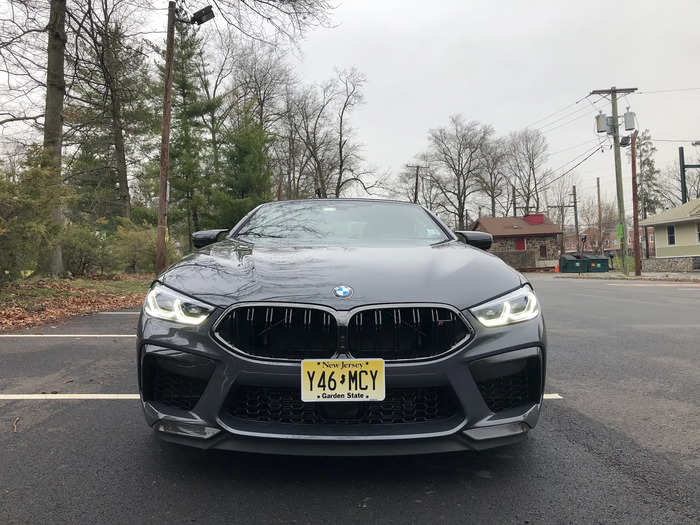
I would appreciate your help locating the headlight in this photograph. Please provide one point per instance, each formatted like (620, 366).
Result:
(164, 303)
(517, 306)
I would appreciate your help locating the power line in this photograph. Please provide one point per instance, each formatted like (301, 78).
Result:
(563, 117)
(546, 186)
(552, 114)
(587, 114)
(674, 140)
(575, 158)
(667, 91)
(589, 141)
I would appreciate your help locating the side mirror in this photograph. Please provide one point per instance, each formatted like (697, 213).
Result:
(481, 240)
(206, 237)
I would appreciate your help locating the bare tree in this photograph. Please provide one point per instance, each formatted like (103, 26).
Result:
(315, 130)
(429, 194)
(492, 178)
(265, 20)
(290, 157)
(350, 84)
(525, 160)
(667, 187)
(457, 151)
(588, 212)
(215, 72)
(558, 195)
(261, 76)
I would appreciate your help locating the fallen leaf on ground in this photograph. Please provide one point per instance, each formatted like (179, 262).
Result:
(73, 301)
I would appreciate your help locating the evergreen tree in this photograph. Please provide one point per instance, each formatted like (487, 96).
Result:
(650, 187)
(188, 182)
(245, 179)
(106, 116)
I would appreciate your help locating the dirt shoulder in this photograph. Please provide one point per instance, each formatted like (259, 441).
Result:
(37, 301)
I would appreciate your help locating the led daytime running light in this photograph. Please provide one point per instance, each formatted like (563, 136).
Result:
(177, 314)
(507, 317)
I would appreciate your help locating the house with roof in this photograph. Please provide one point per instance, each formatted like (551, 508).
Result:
(532, 241)
(677, 233)
(609, 241)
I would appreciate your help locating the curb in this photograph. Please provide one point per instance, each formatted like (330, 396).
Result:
(634, 278)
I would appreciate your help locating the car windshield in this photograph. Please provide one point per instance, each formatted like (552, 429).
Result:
(341, 223)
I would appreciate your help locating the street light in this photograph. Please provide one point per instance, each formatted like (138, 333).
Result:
(203, 15)
(200, 17)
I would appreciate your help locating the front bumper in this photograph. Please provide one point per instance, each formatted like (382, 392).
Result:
(188, 382)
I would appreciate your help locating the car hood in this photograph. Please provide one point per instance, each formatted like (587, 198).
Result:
(232, 271)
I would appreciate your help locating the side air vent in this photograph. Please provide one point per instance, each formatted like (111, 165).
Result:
(283, 332)
(405, 332)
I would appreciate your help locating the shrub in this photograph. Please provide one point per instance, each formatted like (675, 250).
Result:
(27, 229)
(134, 248)
(84, 250)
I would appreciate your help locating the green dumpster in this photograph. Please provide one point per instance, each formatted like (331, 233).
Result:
(572, 263)
(597, 263)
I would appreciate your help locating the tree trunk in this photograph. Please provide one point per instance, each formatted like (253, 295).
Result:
(493, 205)
(215, 146)
(118, 130)
(53, 114)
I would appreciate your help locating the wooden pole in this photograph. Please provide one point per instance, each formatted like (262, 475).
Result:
(600, 219)
(578, 237)
(635, 210)
(165, 143)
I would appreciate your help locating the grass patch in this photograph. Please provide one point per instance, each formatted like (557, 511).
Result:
(36, 300)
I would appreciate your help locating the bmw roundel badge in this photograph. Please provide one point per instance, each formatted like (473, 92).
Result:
(342, 291)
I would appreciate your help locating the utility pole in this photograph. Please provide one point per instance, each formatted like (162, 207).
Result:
(562, 248)
(683, 167)
(415, 189)
(684, 188)
(644, 203)
(165, 142)
(578, 239)
(600, 219)
(622, 225)
(515, 204)
(635, 210)
(200, 17)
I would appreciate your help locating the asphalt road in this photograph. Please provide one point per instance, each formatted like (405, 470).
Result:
(621, 446)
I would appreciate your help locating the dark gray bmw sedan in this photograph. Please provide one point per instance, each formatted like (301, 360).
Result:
(341, 327)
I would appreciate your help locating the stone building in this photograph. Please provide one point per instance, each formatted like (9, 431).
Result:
(526, 242)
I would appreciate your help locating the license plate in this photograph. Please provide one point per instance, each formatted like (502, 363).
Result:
(342, 380)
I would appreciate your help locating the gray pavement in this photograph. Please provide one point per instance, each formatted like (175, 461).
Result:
(621, 446)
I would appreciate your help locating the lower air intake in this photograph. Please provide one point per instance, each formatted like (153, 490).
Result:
(175, 379)
(283, 405)
(518, 383)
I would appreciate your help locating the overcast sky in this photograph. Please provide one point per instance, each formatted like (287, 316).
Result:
(510, 64)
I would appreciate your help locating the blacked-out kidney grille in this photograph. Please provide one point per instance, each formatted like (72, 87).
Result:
(395, 333)
(284, 332)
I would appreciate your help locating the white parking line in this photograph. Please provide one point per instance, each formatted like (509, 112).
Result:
(67, 335)
(7, 397)
(118, 313)
(68, 396)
